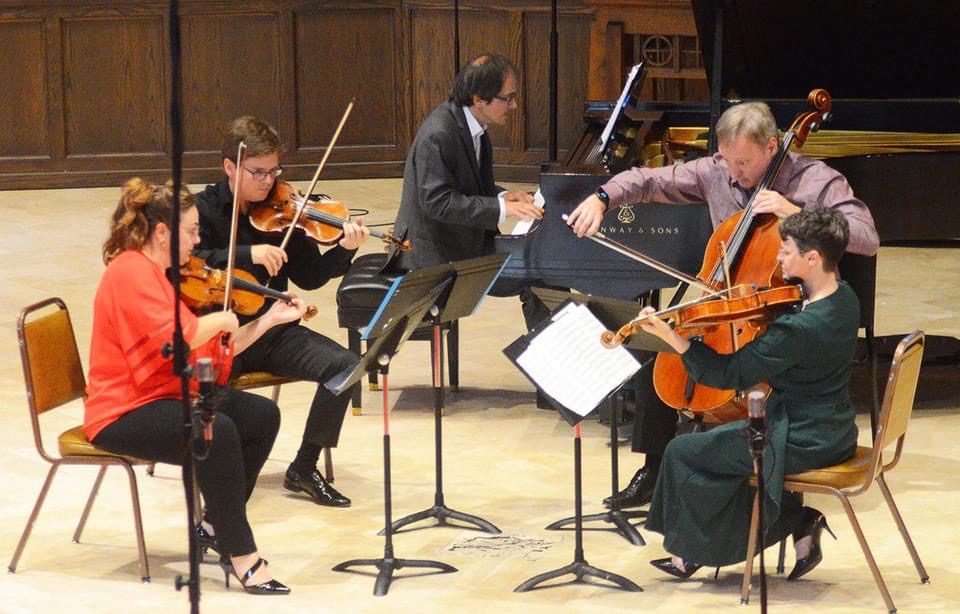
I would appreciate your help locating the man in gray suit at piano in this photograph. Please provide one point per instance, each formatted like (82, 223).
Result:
(451, 207)
(748, 142)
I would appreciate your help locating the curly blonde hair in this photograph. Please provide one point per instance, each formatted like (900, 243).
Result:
(142, 206)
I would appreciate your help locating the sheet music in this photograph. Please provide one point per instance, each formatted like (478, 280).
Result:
(523, 226)
(567, 360)
(621, 102)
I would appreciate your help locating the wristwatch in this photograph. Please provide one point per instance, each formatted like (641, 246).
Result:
(604, 198)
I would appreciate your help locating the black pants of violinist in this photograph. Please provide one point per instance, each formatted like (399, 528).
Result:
(243, 433)
(297, 352)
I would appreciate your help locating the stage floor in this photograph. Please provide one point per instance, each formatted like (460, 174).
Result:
(505, 460)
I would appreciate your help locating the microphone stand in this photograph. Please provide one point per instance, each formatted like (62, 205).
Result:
(178, 347)
(456, 37)
(757, 440)
(554, 63)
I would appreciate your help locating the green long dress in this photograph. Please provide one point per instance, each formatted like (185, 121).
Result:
(702, 503)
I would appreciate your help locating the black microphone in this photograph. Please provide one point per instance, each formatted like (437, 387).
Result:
(204, 415)
(757, 430)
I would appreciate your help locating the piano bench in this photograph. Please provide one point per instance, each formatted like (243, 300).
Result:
(360, 292)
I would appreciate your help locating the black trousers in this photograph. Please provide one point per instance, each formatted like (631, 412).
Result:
(295, 351)
(655, 423)
(243, 433)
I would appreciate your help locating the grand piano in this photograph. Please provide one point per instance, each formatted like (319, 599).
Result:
(895, 131)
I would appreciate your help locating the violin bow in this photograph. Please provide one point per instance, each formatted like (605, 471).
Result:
(633, 254)
(234, 224)
(313, 183)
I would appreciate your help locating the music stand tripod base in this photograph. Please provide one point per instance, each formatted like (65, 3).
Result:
(378, 358)
(472, 279)
(579, 568)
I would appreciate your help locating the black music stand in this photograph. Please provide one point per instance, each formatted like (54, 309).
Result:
(613, 313)
(472, 280)
(574, 326)
(401, 325)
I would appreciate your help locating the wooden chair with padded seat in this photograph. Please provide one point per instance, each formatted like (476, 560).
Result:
(855, 476)
(54, 377)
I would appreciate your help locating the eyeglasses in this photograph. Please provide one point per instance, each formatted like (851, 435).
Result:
(260, 175)
(512, 97)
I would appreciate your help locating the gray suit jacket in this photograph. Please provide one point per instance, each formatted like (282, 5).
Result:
(449, 209)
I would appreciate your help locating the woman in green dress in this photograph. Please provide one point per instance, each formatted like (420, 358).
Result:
(702, 503)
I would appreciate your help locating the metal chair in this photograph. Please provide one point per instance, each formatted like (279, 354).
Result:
(54, 377)
(855, 476)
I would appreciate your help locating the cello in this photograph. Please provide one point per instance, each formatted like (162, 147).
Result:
(741, 251)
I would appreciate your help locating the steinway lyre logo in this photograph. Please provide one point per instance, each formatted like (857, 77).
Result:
(626, 215)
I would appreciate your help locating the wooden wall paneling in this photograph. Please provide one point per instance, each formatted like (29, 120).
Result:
(431, 60)
(56, 115)
(114, 74)
(342, 55)
(573, 38)
(230, 67)
(24, 92)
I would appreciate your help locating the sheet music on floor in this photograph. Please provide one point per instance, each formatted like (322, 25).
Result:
(566, 360)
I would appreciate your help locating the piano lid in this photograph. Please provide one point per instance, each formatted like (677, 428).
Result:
(855, 49)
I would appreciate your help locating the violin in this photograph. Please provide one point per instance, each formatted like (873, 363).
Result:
(321, 220)
(740, 303)
(203, 287)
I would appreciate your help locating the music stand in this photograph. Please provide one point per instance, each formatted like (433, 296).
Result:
(473, 279)
(613, 313)
(554, 357)
(402, 324)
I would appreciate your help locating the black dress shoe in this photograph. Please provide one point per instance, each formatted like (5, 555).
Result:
(316, 486)
(812, 525)
(666, 566)
(638, 492)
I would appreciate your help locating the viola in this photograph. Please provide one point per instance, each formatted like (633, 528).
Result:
(321, 220)
(202, 287)
(738, 304)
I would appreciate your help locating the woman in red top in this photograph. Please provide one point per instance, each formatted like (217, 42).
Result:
(133, 405)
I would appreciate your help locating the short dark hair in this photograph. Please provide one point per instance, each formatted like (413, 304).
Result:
(822, 229)
(482, 76)
(260, 137)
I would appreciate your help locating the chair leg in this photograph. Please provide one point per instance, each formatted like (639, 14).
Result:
(12, 567)
(751, 552)
(86, 509)
(874, 385)
(453, 355)
(782, 555)
(138, 523)
(867, 554)
(903, 529)
(356, 393)
(150, 469)
(328, 463)
(275, 395)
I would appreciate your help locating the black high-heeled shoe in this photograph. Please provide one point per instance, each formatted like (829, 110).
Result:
(205, 541)
(812, 525)
(270, 587)
(666, 565)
